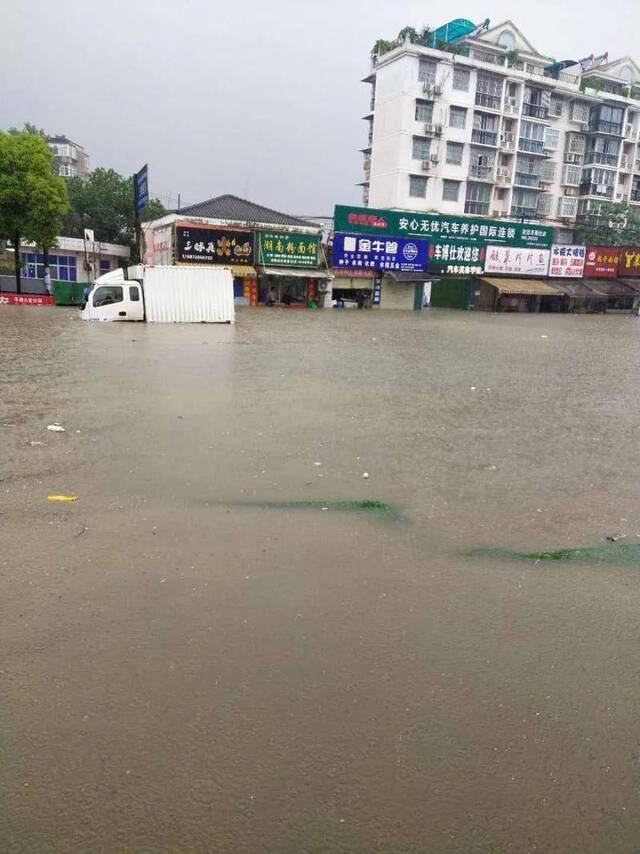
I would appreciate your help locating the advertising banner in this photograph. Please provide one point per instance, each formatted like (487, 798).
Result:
(25, 299)
(141, 187)
(445, 229)
(462, 258)
(514, 261)
(214, 246)
(602, 262)
(629, 261)
(567, 262)
(396, 253)
(279, 249)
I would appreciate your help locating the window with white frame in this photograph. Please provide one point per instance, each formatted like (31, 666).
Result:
(457, 117)
(556, 106)
(572, 175)
(424, 111)
(454, 153)
(579, 111)
(427, 71)
(551, 139)
(450, 190)
(417, 186)
(461, 79)
(524, 200)
(421, 148)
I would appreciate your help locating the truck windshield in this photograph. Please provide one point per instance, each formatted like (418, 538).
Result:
(107, 295)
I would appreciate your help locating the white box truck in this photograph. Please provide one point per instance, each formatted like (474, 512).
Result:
(163, 295)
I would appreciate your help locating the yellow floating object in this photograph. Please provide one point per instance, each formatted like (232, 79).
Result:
(62, 497)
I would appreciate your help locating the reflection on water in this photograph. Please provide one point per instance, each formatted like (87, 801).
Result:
(192, 662)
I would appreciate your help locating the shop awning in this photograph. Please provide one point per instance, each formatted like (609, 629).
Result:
(526, 287)
(290, 272)
(399, 276)
(244, 272)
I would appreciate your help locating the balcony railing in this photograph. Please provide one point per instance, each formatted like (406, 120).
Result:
(476, 208)
(483, 172)
(524, 211)
(493, 102)
(534, 146)
(484, 137)
(600, 126)
(601, 157)
(603, 191)
(635, 196)
(536, 111)
(525, 179)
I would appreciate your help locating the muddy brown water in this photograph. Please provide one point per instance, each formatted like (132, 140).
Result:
(185, 670)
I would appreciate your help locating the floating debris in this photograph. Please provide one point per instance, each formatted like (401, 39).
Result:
(614, 554)
(62, 498)
(55, 428)
(365, 505)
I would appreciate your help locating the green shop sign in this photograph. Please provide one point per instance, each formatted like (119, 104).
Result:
(442, 229)
(282, 249)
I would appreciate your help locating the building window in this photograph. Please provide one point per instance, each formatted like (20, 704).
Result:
(458, 117)
(450, 191)
(531, 137)
(507, 40)
(62, 267)
(524, 203)
(482, 163)
(427, 71)
(580, 112)
(489, 91)
(551, 139)
(417, 186)
(454, 153)
(556, 106)
(424, 111)
(461, 78)
(105, 266)
(421, 148)
(478, 198)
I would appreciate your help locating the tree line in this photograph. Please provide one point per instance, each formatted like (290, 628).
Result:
(38, 205)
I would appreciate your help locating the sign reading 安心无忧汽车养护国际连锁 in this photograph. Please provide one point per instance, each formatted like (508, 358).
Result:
(282, 249)
(214, 246)
(357, 251)
(517, 261)
(567, 261)
(440, 227)
(602, 262)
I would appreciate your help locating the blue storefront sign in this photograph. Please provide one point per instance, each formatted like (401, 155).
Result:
(362, 251)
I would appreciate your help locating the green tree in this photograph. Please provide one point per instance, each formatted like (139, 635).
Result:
(104, 202)
(610, 224)
(32, 199)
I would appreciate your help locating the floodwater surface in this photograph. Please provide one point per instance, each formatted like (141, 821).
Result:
(198, 657)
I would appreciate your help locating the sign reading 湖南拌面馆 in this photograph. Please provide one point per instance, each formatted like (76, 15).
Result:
(214, 246)
(567, 261)
(517, 261)
(356, 251)
(282, 249)
(441, 228)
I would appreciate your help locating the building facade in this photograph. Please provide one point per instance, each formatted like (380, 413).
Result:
(488, 126)
(72, 160)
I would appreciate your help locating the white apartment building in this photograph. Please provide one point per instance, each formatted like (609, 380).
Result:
(486, 130)
(72, 160)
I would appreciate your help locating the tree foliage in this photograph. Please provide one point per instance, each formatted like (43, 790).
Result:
(611, 224)
(33, 200)
(104, 203)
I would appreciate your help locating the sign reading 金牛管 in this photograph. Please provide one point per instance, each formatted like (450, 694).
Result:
(441, 228)
(281, 249)
(517, 261)
(354, 251)
(629, 261)
(214, 246)
(602, 262)
(567, 262)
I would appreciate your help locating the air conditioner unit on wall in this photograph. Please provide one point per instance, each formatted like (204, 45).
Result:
(428, 128)
(437, 129)
(426, 165)
(573, 158)
(434, 158)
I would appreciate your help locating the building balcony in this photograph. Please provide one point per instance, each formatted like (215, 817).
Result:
(601, 158)
(491, 102)
(635, 196)
(602, 191)
(600, 126)
(531, 146)
(482, 173)
(524, 212)
(477, 208)
(524, 179)
(484, 137)
(535, 111)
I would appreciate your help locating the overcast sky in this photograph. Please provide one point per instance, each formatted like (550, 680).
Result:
(259, 99)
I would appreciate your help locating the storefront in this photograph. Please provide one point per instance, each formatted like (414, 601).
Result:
(519, 295)
(352, 288)
(293, 288)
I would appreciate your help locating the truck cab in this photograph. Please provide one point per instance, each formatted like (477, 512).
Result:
(114, 298)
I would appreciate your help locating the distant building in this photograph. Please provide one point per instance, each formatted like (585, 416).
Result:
(73, 160)
(470, 120)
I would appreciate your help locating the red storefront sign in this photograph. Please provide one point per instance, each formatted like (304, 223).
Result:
(602, 262)
(629, 261)
(353, 274)
(25, 299)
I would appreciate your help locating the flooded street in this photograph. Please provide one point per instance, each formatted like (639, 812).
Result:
(196, 657)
